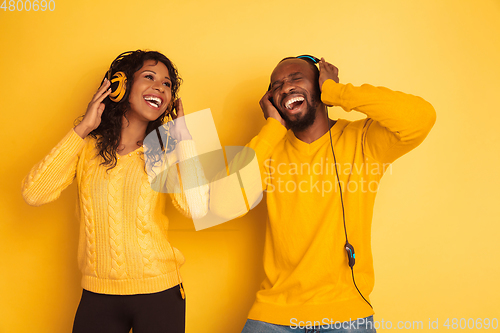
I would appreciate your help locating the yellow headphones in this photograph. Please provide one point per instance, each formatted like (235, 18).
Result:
(118, 80)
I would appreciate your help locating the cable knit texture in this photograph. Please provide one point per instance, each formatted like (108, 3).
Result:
(123, 247)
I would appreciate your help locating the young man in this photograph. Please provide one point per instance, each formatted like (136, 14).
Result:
(317, 218)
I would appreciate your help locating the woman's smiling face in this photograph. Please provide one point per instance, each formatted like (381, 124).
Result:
(151, 91)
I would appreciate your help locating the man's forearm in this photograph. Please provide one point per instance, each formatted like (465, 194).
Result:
(402, 121)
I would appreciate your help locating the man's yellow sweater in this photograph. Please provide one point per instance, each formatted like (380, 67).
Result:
(123, 247)
(307, 275)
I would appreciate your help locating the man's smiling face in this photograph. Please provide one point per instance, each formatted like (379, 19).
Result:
(293, 88)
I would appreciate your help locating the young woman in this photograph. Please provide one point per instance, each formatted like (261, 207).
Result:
(130, 270)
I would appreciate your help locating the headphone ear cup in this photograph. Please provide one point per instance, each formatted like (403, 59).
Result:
(118, 86)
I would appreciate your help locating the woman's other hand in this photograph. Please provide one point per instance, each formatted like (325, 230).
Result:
(178, 130)
(92, 117)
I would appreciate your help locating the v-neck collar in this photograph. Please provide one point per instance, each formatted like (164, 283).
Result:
(310, 148)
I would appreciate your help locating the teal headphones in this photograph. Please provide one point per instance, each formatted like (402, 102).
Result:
(351, 255)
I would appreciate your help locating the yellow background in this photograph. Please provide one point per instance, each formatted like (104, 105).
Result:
(436, 222)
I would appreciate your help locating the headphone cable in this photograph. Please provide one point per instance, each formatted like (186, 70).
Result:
(342, 202)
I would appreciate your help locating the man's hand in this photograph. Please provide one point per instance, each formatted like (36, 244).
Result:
(327, 71)
(269, 109)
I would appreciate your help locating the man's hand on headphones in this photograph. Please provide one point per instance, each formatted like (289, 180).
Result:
(326, 72)
(269, 109)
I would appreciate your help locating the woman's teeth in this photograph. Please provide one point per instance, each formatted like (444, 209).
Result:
(153, 101)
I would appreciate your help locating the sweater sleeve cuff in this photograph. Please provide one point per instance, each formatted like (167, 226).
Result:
(72, 143)
(186, 149)
(272, 132)
(331, 93)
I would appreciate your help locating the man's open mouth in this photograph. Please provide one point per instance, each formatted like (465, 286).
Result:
(294, 102)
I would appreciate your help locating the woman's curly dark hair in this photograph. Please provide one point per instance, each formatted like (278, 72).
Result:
(108, 133)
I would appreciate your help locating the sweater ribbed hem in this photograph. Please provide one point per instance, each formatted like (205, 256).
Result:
(282, 314)
(130, 287)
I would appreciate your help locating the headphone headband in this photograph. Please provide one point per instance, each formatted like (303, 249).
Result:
(117, 59)
(308, 57)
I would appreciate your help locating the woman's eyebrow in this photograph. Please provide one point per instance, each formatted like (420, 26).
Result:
(148, 70)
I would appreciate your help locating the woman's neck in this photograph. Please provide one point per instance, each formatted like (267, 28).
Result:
(132, 135)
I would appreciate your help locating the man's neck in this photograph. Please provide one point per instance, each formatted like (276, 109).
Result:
(317, 129)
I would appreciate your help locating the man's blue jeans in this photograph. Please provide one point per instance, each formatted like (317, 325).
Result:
(361, 325)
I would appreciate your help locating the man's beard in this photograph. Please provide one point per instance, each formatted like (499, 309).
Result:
(305, 121)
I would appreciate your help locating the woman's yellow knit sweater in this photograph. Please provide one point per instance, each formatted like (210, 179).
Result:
(123, 247)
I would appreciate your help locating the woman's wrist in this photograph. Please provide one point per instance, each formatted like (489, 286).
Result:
(82, 130)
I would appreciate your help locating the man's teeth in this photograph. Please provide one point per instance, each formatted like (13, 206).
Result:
(152, 100)
(289, 103)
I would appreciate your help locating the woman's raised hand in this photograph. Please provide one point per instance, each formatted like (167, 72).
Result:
(178, 130)
(92, 117)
